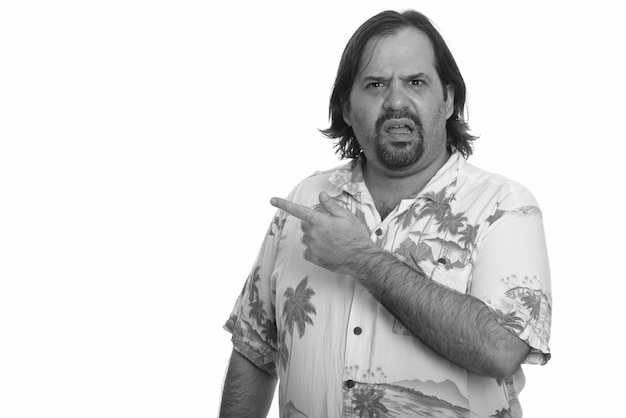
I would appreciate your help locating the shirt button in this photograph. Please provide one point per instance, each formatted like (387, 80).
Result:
(349, 384)
(378, 232)
(357, 330)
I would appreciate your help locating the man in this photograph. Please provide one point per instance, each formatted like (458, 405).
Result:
(406, 282)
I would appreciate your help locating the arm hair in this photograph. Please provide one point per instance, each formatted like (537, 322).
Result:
(459, 327)
(248, 390)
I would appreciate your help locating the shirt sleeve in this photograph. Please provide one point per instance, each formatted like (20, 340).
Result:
(252, 322)
(511, 276)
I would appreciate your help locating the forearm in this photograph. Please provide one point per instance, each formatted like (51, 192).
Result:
(459, 327)
(248, 390)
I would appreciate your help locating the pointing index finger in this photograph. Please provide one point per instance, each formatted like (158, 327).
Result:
(299, 211)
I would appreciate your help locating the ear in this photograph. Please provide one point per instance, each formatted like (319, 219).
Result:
(345, 112)
(449, 97)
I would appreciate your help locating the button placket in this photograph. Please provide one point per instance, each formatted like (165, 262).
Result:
(357, 349)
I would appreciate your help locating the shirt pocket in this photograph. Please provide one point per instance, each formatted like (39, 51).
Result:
(450, 276)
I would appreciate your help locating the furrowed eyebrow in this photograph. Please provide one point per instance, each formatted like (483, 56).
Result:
(418, 75)
(374, 78)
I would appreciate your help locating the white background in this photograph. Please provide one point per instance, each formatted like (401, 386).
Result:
(140, 142)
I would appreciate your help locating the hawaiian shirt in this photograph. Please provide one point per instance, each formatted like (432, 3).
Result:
(339, 353)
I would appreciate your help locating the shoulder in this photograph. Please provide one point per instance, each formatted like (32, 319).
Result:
(506, 193)
(309, 188)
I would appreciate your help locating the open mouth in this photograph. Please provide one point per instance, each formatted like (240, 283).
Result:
(398, 126)
(399, 129)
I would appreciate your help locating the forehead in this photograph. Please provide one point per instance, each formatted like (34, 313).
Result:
(406, 50)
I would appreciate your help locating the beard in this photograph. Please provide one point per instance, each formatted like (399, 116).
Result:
(398, 156)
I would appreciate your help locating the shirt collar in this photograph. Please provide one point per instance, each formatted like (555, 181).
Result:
(443, 184)
(349, 177)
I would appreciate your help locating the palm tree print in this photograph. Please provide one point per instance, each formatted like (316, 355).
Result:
(253, 293)
(529, 298)
(296, 310)
(469, 235)
(467, 238)
(367, 402)
(406, 218)
(534, 306)
(532, 302)
(437, 206)
(451, 223)
(256, 310)
(509, 320)
(269, 331)
(297, 307)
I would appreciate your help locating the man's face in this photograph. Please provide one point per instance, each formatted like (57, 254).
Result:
(397, 108)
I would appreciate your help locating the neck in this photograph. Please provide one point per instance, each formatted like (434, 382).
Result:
(388, 189)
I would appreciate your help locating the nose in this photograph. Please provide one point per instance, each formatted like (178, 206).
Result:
(397, 97)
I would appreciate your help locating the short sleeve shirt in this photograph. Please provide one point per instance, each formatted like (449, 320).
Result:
(339, 353)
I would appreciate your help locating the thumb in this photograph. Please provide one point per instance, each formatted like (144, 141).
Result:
(330, 205)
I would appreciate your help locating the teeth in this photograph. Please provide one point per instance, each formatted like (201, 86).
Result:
(399, 129)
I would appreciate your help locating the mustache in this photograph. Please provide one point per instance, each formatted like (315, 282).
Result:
(397, 114)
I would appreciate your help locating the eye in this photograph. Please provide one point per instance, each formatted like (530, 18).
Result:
(416, 82)
(375, 84)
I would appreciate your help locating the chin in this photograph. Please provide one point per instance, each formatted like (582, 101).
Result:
(400, 158)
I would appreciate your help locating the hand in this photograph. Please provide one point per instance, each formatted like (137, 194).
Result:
(334, 239)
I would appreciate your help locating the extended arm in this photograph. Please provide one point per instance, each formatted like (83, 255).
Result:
(459, 327)
(248, 390)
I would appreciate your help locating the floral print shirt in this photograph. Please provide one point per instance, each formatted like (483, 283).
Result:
(340, 353)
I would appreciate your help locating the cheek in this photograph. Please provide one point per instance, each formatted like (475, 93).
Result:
(437, 117)
(363, 119)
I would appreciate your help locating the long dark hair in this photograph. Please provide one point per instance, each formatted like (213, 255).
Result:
(384, 24)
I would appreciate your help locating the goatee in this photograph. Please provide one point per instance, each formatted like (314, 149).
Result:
(398, 156)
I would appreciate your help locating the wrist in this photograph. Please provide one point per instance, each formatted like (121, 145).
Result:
(366, 259)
